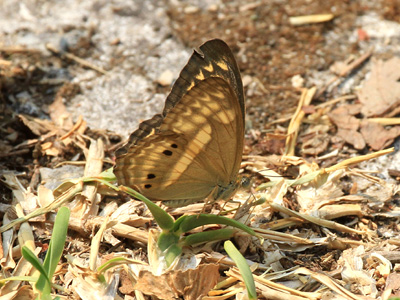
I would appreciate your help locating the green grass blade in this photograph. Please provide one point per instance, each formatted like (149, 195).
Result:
(194, 221)
(3, 281)
(56, 245)
(163, 219)
(117, 261)
(35, 262)
(244, 268)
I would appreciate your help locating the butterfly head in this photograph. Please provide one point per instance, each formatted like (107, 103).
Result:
(245, 181)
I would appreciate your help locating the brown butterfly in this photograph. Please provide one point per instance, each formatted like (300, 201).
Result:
(192, 151)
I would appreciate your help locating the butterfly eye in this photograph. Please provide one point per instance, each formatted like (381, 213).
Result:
(245, 182)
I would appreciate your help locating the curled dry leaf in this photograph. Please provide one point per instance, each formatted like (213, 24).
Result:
(36, 125)
(324, 187)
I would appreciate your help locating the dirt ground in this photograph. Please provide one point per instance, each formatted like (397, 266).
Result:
(73, 72)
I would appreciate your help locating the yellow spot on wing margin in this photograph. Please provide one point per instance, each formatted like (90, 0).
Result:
(222, 65)
(209, 68)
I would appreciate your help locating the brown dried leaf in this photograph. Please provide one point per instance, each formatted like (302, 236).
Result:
(348, 125)
(22, 293)
(36, 125)
(343, 116)
(380, 93)
(309, 196)
(192, 284)
(335, 211)
(352, 137)
(126, 287)
(393, 281)
(376, 136)
(316, 140)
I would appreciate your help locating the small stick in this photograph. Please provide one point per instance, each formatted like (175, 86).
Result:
(75, 58)
(345, 72)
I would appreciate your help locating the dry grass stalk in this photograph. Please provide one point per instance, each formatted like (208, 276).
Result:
(294, 125)
(310, 19)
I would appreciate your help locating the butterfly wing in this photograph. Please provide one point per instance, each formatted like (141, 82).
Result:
(214, 59)
(196, 145)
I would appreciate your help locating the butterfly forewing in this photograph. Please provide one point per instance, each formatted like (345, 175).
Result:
(209, 116)
(196, 145)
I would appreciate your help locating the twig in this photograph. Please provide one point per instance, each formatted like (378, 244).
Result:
(345, 72)
(75, 58)
(18, 49)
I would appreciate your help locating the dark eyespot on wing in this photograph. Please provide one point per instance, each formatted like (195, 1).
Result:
(167, 152)
(147, 186)
(151, 176)
(174, 146)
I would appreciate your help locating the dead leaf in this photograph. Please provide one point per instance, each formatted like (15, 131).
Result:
(272, 144)
(315, 140)
(36, 125)
(343, 116)
(352, 137)
(348, 125)
(126, 287)
(192, 284)
(393, 281)
(380, 93)
(376, 136)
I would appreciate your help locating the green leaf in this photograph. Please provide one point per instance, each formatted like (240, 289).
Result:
(208, 236)
(172, 253)
(108, 175)
(244, 268)
(166, 239)
(116, 261)
(3, 281)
